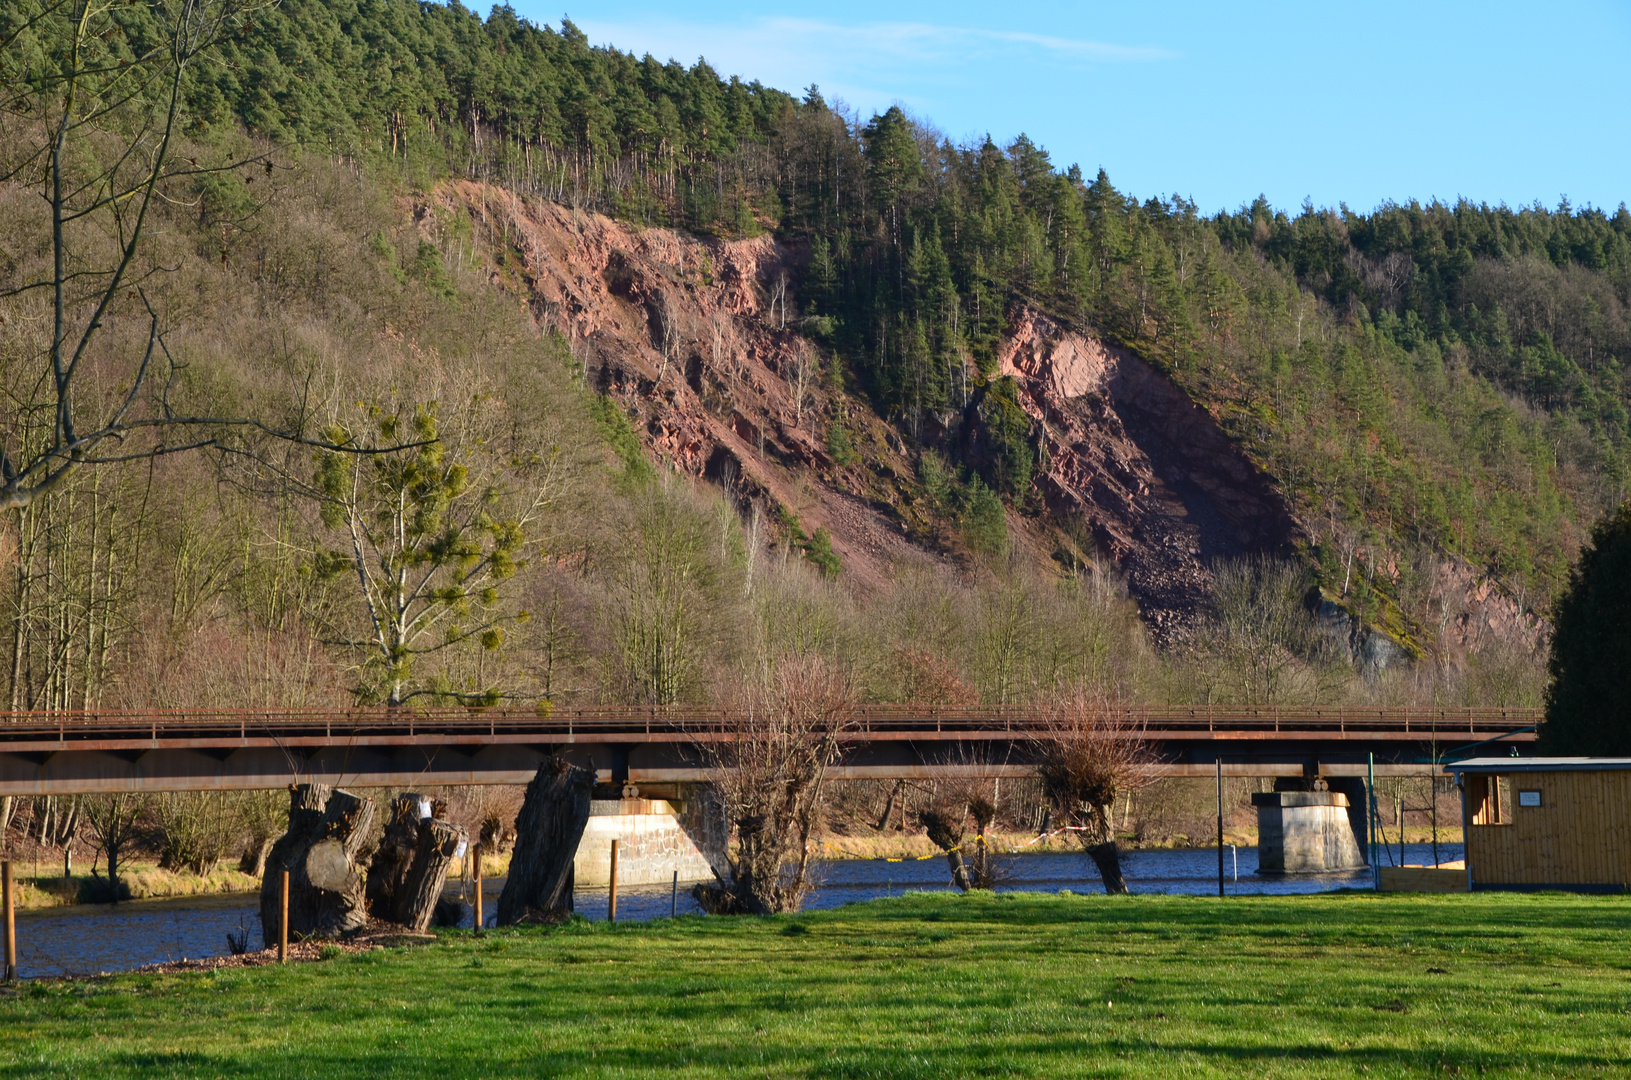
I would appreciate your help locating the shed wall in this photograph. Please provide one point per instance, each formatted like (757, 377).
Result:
(1580, 834)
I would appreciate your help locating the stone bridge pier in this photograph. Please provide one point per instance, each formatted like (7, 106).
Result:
(1312, 826)
(662, 830)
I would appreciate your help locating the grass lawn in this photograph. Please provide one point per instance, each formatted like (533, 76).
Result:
(922, 986)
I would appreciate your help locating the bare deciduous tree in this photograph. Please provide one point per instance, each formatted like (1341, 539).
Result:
(195, 829)
(1268, 648)
(981, 799)
(801, 382)
(778, 300)
(717, 326)
(665, 596)
(90, 120)
(117, 821)
(785, 733)
(1089, 754)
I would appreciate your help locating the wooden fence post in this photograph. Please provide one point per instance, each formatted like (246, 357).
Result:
(11, 921)
(283, 921)
(475, 871)
(611, 906)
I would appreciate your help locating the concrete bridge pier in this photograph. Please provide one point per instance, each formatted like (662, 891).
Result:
(683, 831)
(1311, 826)
(1354, 788)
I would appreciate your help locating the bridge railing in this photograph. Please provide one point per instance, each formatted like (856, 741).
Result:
(567, 722)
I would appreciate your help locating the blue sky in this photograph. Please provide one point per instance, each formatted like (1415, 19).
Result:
(1218, 102)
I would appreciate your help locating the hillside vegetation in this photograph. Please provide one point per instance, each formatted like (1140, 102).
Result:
(1423, 383)
(1438, 376)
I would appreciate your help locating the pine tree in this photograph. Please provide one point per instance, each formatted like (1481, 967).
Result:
(1588, 705)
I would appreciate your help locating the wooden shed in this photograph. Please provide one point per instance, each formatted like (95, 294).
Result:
(1546, 823)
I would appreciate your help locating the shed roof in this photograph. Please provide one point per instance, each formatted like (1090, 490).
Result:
(1539, 764)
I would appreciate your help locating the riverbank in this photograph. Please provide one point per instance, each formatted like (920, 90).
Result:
(923, 985)
(887, 844)
(144, 880)
(140, 881)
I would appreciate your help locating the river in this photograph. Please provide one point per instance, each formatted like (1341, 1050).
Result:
(87, 939)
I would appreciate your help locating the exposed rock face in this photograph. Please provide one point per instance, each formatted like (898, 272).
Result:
(694, 337)
(1366, 648)
(1164, 490)
(1471, 612)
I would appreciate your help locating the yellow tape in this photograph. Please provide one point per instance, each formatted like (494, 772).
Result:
(886, 858)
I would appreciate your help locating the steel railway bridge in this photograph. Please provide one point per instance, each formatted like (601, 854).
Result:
(653, 748)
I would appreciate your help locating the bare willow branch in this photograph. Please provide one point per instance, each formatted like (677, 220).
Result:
(784, 733)
(1089, 752)
(100, 127)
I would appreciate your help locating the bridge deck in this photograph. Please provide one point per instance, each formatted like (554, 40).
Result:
(119, 729)
(45, 753)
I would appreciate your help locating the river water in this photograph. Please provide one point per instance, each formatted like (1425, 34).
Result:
(87, 939)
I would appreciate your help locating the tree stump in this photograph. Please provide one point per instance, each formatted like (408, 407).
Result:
(410, 866)
(547, 833)
(327, 829)
(388, 870)
(439, 843)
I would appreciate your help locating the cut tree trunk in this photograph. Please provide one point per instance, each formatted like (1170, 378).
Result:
(547, 832)
(980, 875)
(439, 843)
(393, 859)
(409, 868)
(327, 829)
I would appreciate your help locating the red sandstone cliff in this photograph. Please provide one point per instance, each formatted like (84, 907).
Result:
(694, 338)
(1164, 490)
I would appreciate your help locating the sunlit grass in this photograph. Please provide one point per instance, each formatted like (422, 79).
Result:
(926, 985)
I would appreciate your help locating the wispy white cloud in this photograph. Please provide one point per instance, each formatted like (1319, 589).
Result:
(926, 41)
(1097, 50)
(869, 63)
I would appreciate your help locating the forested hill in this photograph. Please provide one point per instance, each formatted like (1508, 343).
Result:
(1422, 380)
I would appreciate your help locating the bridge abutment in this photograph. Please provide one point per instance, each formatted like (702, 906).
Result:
(1305, 832)
(657, 838)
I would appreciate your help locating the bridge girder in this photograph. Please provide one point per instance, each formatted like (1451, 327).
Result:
(213, 750)
(262, 767)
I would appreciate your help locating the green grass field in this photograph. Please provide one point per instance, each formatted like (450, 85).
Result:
(922, 986)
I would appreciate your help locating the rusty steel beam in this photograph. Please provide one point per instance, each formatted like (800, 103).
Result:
(1160, 770)
(260, 768)
(609, 721)
(54, 746)
(62, 753)
(407, 777)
